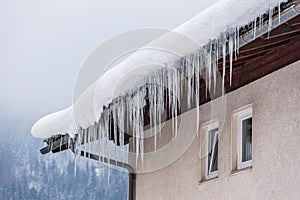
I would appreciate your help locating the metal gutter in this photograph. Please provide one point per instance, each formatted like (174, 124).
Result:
(284, 17)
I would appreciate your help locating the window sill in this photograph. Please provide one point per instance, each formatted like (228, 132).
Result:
(203, 181)
(238, 171)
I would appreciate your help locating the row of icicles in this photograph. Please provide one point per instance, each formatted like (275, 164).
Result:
(162, 93)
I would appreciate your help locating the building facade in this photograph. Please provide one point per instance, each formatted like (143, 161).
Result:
(272, 171)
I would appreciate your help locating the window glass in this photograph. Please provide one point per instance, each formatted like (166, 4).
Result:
(212, 151)
(247, 139)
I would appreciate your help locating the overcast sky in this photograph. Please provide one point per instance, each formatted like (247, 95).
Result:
(44, 42)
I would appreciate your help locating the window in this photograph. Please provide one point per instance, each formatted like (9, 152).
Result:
(244, 131)
(212, 152)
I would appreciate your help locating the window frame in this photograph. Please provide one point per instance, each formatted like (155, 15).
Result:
(210, 127)
(241, 116)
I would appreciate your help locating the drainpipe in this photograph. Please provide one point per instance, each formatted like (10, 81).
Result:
(131, 174)
(63, 142)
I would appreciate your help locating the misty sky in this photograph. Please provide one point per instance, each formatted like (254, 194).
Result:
(44, 42)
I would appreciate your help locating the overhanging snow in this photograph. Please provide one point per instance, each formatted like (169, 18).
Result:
(223, 17)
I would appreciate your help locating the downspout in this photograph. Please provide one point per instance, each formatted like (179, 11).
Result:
(63, 142)
(130, 170)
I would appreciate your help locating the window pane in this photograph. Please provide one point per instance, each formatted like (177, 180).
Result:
(247, 139)
(212, 151)
(214, 166)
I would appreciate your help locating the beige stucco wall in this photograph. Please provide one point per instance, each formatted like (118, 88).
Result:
(275, 173)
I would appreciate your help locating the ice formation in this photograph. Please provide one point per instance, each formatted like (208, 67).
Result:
(111, 115)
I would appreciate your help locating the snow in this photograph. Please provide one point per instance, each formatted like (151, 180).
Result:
(223, 18)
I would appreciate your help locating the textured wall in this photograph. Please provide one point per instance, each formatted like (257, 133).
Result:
(276, 155)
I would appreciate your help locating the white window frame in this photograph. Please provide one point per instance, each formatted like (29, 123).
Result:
(211, 126)
(241, 116)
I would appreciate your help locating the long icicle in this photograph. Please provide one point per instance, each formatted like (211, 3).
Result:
(270, 23)
(254, 29)
(215, 68)
(141, 121)
(230, 55)
(237, 41)
(197, 75)
(224, 65)
(114, 118)
(209, 65)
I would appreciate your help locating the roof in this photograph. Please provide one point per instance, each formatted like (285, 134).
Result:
(230, 16)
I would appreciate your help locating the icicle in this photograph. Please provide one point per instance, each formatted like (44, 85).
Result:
(206, 71)
(108, 173)
(182, 76)
(254, 29)
(141, 119)
(120, 121)
(93, 137)
(209, 65)
(103, 133)
(161, 99)
(75, 165)
(154, 106)
(230, 44)
(136, 131)
(78, 148)
(89, 132)
(192, 76)
(171, 98)
(237, 41)
(197, 67)
(138, 119)
(188, 70)
(174, 101)
(177, 96)
(216, 65)
(126, 115)
(114, 118)
(84, 146)
(61, 140)
(261, 21)
(99, 139)
(100, 136)
(173, 104)
(224, 64)
(130, 120)
(108, 134)
(279, 12)
(122, 133)
(270, 23)
(235, 45)
(158, 106)
(150, 98)
(92, 133)
(179, 81)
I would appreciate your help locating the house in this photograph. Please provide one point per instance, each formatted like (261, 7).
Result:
(227, 135)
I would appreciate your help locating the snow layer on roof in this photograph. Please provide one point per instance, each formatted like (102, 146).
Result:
(208, 25)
